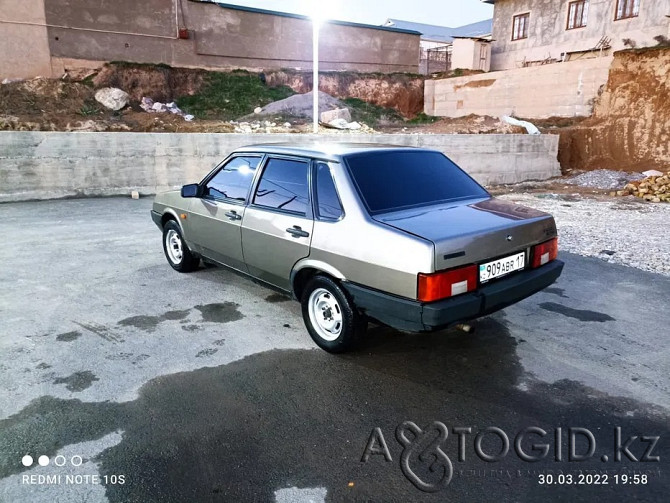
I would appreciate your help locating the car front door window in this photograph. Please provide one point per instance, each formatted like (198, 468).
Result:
(233, 180)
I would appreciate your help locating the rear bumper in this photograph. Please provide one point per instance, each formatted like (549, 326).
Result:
(414, 316)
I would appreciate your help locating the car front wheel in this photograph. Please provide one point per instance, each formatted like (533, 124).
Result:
(177, 253)
(330, 317)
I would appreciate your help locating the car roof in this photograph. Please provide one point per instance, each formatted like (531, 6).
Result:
(331, 151)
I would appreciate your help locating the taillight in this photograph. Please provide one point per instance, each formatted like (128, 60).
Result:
(544, 253)
(441, 285)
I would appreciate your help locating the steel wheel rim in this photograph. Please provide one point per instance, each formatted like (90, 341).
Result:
(174, 247)
(325, 314)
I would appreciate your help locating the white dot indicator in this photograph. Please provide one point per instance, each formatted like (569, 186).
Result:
(27, 460)
(43, 460)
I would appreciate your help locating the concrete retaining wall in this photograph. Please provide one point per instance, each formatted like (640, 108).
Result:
(558, 90)
(46, 165)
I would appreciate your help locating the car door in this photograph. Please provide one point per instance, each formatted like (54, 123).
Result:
(215, 219)
(277, 225)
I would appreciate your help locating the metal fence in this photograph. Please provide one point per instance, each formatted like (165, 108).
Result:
(435, 60)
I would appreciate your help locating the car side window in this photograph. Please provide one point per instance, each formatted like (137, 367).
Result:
(328, 203)
(233, 180)
(284, 186)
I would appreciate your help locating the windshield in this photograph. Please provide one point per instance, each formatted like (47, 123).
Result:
(389, 180)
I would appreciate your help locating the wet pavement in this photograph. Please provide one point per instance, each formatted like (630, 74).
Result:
(148, 385)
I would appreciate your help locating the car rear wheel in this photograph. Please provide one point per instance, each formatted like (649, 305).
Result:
(177, 253)
(330, 317)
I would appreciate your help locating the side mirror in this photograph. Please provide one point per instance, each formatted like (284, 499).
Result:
(191, 190)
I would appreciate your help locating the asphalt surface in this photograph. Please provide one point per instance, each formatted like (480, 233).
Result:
(150, 385)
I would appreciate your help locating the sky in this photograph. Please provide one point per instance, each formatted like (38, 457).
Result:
(451, 13)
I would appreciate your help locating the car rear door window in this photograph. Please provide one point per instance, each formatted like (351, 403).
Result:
(328, 203)
(284, 186)
(389, 181)
(233, 180)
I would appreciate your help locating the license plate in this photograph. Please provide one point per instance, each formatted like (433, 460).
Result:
(502, 266)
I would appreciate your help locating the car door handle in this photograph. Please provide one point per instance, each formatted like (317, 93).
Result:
(233, 215)
(297, 232)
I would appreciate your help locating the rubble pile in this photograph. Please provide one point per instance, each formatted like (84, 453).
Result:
(260, 127)
(604, 179)
(654, 188)
(151, 106)
(267, 126)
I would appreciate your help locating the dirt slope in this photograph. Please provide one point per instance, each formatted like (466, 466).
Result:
(630, 126)
(401, 92)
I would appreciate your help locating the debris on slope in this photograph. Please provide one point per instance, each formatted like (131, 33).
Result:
(261, 127)
(528, 126)
(267, 126)
(151, 106)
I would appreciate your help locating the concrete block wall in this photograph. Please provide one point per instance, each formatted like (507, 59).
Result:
(45, 37)
(47, 165)
(557, 90)
(24, 46)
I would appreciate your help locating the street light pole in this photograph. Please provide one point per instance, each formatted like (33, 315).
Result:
(315, 75)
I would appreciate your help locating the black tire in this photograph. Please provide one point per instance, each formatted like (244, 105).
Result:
(329, 300)
(176, 252)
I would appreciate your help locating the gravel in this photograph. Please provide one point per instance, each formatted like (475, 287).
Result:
(604, 179)
(623, 231)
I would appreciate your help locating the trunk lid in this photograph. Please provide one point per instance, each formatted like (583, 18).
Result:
(474, 231)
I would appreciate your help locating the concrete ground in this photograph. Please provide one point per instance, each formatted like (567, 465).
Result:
(149, 385)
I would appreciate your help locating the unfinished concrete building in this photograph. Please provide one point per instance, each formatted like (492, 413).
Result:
(536, 32)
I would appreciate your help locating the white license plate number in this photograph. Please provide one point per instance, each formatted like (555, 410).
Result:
(500, 267)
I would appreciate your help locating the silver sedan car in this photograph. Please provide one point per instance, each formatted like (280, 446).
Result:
(356, 232)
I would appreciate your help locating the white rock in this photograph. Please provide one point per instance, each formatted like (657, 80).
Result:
(339, 124)
(652, 172)
(134, 194)
(339, 113)
(258, 110)
(112, 98)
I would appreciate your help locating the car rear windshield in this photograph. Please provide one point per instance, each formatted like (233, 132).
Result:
(389, 181)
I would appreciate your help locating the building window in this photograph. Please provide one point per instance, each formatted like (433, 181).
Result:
(578, 12)
(627, 8)
(520, 26)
